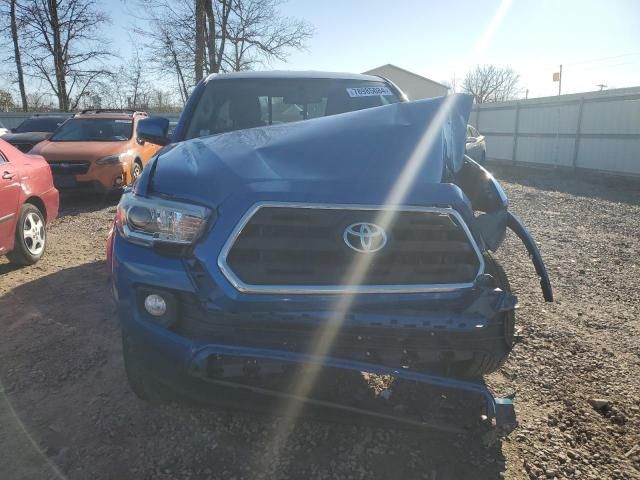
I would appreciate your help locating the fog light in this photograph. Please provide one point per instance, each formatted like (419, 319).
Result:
(118, 181)
(155, 305)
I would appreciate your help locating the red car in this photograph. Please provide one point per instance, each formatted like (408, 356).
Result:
(28, 203)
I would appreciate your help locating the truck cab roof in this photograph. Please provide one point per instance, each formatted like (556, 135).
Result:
(292, 74)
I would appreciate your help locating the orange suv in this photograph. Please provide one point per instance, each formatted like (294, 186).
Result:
(97, 150)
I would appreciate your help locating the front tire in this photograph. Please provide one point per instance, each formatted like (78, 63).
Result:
(30, 236)
(142, 384)
(495, 353)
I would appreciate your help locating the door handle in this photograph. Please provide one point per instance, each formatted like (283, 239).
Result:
(8, 175)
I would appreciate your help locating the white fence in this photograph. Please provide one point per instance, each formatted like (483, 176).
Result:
(595, 131)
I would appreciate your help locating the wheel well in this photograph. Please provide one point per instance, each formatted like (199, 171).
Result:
(35, 201)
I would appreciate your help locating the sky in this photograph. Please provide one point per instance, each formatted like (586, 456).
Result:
(595, 41)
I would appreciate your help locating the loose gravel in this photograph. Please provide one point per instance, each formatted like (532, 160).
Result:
(66, 410)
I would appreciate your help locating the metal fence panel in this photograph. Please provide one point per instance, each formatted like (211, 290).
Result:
(498, 121)
(620, 155)
(595, 130)
(549, 119)
(612, 117)
(551, 151)
(499, 147)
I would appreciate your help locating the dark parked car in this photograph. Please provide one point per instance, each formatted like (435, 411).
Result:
(28, 203)
(33, 130)
(476, 146)
(311, 218)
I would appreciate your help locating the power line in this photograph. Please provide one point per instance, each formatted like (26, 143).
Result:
(592, 67)
(603, 58)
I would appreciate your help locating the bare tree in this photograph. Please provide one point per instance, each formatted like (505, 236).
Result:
(164, 101)
(11, 27)
(259, 33)
(38, 101)
(210, 36)
(216, 49)
(16, 53)
(200, 18)
(6, 101)
(169, 34)
(489, 83)
(64, 47)
(138, 91)
(126, 87)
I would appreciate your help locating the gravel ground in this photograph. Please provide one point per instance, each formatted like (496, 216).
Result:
(66, 409)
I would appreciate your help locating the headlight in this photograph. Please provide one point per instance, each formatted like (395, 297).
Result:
(149, 220)
(110, 160)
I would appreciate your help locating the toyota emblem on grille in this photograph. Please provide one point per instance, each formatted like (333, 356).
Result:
(365, 237)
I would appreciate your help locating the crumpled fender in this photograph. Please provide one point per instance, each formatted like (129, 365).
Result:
(517, 227)
(487, 196)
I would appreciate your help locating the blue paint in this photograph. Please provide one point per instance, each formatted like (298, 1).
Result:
(350, 158)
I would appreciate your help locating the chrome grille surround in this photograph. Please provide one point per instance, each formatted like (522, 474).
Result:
(244, 287)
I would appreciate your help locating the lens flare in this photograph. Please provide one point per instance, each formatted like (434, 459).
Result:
(324, 340)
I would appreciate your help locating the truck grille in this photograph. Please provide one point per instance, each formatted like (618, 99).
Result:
(302, 248)
(69, 168)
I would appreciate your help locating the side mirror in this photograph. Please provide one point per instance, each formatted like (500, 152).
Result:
(153, 130)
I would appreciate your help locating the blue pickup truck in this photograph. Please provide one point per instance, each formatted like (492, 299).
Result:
(312, 218)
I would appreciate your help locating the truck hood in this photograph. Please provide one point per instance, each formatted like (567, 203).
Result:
(371, 146)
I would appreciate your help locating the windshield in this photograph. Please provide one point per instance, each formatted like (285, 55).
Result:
(94, 130)
(39, 124)
(228, 105)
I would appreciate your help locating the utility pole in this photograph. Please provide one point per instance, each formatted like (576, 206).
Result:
(526, 94)
(560, 82)
(602, 86)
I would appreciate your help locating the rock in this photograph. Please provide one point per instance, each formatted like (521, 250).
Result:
(600, 403)
(630, 452)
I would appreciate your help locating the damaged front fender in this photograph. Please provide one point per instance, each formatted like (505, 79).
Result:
(517, 227)
(488, 198)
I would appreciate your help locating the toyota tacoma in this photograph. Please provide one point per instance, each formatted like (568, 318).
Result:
(312, 217)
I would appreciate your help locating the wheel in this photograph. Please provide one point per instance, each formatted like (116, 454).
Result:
(142, 384)
(136, 170)
(495, 351)
(30, 236)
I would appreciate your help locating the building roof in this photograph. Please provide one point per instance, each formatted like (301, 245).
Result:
(405, 71)
(292, 74)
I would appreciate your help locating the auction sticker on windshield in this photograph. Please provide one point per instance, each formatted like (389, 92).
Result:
(368, 91)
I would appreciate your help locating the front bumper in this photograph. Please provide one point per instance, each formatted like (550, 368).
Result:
(99, 178)
(218, 332)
